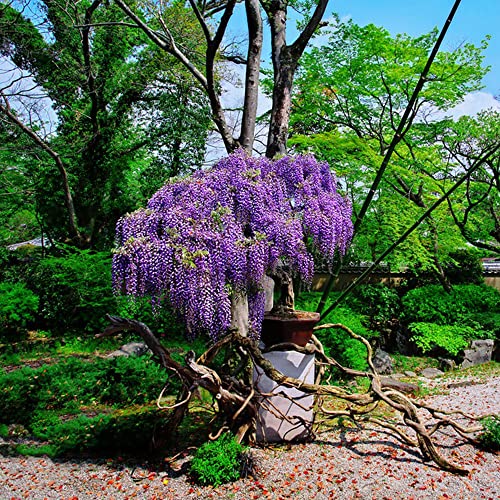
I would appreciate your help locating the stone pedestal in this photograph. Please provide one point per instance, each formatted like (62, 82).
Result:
(271, 426)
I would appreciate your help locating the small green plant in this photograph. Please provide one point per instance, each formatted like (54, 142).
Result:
(490, 438)
(431, 337)
(4, 430)
(218, 462)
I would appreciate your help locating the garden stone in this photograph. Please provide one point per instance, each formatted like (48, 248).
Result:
(411, 374)
(447, 364)
(480, 352)
(382, 362)
(461, 383)
(431, 373)
(130, 349)
(398, 385)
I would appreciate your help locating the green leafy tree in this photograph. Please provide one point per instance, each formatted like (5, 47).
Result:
(349, 99)
(117, 108)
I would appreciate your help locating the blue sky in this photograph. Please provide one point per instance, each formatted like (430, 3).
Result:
(473, 21)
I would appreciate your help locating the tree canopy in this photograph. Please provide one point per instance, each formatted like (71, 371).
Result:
(205, 239)
(120, 109)
(349, 98)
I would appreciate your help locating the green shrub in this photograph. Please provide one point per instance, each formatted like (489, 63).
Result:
(58, 403)
(218, 462)
(73, 383)
(487, 322)
(431, 304)
(379, 302)
(128, 430)
(164, 321)
(18, 307)
(465, 267)
(74, 289)
(490, 438)
(338, 343)
(441, 339)
(4, 430)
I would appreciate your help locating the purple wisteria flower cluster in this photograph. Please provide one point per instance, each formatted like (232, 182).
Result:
(216, 233)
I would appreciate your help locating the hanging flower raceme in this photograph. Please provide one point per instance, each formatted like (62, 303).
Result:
(217, 233)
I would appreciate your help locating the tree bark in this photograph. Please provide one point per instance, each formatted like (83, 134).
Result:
(255, 34)
(285, 61)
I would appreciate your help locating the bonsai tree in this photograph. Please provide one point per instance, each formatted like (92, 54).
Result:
(207, 240)
(211, 238)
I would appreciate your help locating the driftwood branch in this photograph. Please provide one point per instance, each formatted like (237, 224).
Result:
(237, 403)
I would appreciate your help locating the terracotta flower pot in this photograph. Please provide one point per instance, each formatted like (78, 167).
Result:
(295, 327)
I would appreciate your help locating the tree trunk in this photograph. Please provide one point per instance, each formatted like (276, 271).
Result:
(254, 20)
(285, 61)
(282, 103)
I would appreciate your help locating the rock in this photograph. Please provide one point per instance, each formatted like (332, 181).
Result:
(431, 373)
(461, 383)
(480, 352)
(405, 387)
(130, 349)
(382, 362)
(402, 343)
(411, 374)
(447, 364)
(397, 376)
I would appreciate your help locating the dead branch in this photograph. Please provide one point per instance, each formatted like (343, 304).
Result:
(236, 403)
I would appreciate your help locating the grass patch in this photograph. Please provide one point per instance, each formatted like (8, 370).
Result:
(484, 370)
(69, 399)
(415, 364)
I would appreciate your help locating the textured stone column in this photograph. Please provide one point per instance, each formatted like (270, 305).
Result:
(271, 426)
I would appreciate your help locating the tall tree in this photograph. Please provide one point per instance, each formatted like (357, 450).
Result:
(214, 17)
(113, 96)
(475, 209)
(349, 100)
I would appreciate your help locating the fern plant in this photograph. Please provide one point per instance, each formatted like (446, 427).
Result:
(221, 461)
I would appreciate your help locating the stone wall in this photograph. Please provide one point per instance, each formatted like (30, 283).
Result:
(388, 278)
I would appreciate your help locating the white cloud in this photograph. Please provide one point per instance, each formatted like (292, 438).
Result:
(473, 103)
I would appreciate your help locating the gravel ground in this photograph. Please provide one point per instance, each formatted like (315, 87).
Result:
(345, 465)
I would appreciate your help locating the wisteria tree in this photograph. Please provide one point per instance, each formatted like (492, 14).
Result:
(205, 239)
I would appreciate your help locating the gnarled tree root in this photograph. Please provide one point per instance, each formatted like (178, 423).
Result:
(237, 403)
